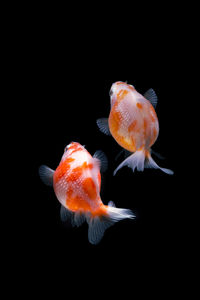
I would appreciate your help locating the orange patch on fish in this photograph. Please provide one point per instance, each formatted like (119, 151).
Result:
(85, 166)
(69, 159)
(100, 211)
(145, 124)
(115, 120)
(89, 188)
(75, 174)
(99, 179)
(62, 169)
(152, 114)
(77, 203)
(139, 105)
(154, 135)
(69, 192)
(75, 147)
(154, 132)
(133, 144)
(117, 116)
(121, 94)
(147, 154)
(145, 127)
(132, 126)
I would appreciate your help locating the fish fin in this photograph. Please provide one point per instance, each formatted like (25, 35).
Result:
(140, 161)
(74, 218)
(111, 203)
(152, 97)
(123, 151)
(103, 125)
(158, 155)
(79, 219)
(98, 225)
(46, 175)
(119, 154)
(101, 160)
(135, 160)
(66, 214)
(150, 163)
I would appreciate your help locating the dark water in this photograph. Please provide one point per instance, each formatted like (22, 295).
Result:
(67, 111)
(61, 103)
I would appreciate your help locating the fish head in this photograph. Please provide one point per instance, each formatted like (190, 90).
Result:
(118, 88)
(73, 146)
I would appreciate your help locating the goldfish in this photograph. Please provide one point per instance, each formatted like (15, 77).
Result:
(77, 183)
(134, 125)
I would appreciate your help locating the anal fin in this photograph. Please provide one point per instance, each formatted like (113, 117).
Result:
(73, 218)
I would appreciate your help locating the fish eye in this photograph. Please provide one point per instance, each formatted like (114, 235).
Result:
(67, 147)
(111, 92)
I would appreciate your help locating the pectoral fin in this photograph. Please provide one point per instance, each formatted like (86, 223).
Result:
(101, 159)
(46, 175)
(103, 125)
(152, 97)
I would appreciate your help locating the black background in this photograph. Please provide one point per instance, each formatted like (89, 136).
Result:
(64, 110)
(63, 83)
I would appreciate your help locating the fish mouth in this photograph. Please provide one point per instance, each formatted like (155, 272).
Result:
(72, 144)
(68, 146)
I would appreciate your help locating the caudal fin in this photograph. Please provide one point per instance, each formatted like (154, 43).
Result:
(98, 225)
(140, 161)
(150, 163)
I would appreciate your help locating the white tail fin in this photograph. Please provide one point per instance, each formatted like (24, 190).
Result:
(150, 163)
(98, 225)
(139, 161)
(135, 160)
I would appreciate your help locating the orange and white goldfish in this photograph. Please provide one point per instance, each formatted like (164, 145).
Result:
(77, 183)
(133, 123)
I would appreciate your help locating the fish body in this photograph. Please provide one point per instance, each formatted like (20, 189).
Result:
(134, 125)
(132, 121)
(77, 183)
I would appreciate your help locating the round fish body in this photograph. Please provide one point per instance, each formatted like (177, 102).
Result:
(132, 121)
(77, 183)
